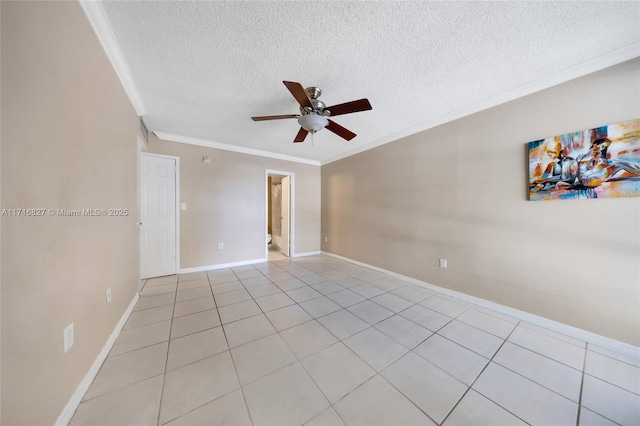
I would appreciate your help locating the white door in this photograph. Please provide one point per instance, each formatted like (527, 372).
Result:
(286, 196)
(157, 216)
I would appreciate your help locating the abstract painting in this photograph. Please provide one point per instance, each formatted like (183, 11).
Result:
(595, 163)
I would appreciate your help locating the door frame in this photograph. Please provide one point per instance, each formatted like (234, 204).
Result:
(292, 207)
(177, 176)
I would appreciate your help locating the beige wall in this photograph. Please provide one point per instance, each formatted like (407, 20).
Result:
(226, 202)
(458, 192)
(68, 141)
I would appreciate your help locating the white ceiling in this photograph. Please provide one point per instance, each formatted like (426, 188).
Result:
(202, 69)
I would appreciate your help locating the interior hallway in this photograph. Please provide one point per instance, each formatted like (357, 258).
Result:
(319, 341)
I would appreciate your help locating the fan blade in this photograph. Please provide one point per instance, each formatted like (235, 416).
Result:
(302, 134)
(349, 107)
(297, 91)
(274, 117)
(340, 131)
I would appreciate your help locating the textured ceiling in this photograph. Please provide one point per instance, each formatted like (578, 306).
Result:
(204, 68)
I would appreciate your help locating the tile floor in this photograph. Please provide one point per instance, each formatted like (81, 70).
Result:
(319, 341)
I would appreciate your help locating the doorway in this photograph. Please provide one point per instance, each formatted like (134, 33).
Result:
(159, 215)
(279, 214)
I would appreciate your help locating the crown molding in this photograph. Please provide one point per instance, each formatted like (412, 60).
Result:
(234, 148)
(610, 59)
(98, 20)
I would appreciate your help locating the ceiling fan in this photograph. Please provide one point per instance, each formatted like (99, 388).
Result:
(313, 112)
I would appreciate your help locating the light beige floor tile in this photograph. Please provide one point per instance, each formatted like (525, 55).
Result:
(308, 338)
(367, 290)
(261, 357)
(158, 289)
(303, 293)
(193, 306)
(148, 302)
(462, 363)
(320, 306)
(392, 302)
(193, 276)
(279, 276)
(413, 293)
(327, 287)
(285, 397)
(403, 331)
(613, 371)
(288, 317)
(431, 389)
(190, 285)
(370, 312)
(243, 268)
(224, 411)
(220, 271)
(193, 323)
(312, 279)
(559, 350)
(486, 322)
(446, 305)
(232, 297)
(377, 403)
(431, 320)
(549, 373)
(479, 341)
(300, 272)
(376, 349)
(140, 337)
(529, 401)
(347, 281)
(475, 409)
(149, 316)
(255, 280)
(274, 301)
(131, 367)
(137, 404)
(328, 417)
(169, 279)
(194, 347)
(342, 323)
(196, 384)
(337, 371)
(239, 311)
(217, 289)
(389, 284)
(223, 278)
(612, 402)
(264, 290)
(589, 418)
(346, 298)
(247, 330)
(290, 284)
(332, 273)
(195, 293)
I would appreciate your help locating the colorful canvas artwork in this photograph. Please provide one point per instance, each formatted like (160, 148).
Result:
(594, 163)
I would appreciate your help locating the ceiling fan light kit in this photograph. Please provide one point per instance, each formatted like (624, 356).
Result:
(314, 113)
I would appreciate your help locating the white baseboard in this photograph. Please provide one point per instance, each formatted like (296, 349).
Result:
(308, 253)
(578, 333)
(65, 417)
(220, 266)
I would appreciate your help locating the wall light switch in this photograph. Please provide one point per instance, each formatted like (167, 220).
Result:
(326, 239)
(443, 263)
(220, 245)
(109, 295)
(183, 206)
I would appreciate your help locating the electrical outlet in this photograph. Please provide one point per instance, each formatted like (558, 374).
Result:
(326, 239)
(220, 245)
(183, 206)
(68, 337)
(109, 295)
(443, 263)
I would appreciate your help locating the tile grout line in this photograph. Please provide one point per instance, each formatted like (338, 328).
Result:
(478, 376)
(166, 359)
(584, 367)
